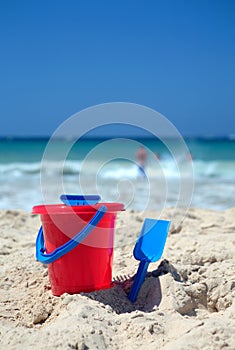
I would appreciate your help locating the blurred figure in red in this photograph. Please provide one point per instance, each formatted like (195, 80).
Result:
(141, 157)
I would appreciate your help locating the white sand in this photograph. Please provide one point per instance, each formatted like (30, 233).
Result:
(190, 307)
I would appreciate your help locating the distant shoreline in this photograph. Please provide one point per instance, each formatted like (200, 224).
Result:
(230, 138)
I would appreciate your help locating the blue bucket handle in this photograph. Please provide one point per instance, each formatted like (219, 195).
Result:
(68, 246)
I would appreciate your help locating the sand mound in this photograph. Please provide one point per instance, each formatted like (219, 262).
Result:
(186, 303)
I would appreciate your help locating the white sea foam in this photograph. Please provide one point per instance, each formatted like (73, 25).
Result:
(214, 182)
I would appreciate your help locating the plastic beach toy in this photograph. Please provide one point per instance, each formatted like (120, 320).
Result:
(73, 199)
(76, 241)
(149, 248)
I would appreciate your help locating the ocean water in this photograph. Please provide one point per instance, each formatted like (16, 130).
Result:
(33, 172)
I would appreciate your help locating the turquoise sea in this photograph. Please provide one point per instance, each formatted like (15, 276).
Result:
(109, 168)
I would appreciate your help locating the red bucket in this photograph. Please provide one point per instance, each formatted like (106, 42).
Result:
(77, 243)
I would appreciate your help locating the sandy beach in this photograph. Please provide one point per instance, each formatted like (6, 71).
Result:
(190, 306)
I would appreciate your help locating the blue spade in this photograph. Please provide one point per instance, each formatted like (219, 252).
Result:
(149, 248)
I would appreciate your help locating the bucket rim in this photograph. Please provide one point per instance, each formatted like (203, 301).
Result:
(78, 209)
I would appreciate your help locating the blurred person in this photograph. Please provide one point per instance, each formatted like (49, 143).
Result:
(141, 157)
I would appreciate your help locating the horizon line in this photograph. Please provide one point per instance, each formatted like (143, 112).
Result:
(230, 137)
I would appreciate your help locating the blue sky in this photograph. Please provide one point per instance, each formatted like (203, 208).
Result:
(59, 57)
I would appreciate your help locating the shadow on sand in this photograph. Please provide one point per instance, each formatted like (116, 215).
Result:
(150, 296)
